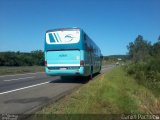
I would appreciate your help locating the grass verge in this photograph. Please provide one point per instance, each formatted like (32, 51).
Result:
(20, 70)
(110, 93)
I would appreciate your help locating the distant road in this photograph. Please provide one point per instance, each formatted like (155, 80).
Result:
(25, 93)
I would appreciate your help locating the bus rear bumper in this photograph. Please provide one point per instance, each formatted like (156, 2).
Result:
(76, 72)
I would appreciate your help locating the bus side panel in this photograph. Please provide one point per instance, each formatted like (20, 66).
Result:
(92, 56)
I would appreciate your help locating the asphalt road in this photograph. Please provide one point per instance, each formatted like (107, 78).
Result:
(25, 93)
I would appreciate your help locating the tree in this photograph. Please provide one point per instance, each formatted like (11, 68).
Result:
(21, 59)
(140, 49)
(159, 39)
(156, 49)
(38, 57)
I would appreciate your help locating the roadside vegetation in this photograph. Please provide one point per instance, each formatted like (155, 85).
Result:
(145, 65)
(22, 59)
(19, 62)
(111, 93)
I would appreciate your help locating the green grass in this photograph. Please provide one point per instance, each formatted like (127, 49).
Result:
(111, 93)
(146, 74)
(20, 70)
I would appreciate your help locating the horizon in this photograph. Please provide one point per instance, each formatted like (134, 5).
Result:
(43, 51)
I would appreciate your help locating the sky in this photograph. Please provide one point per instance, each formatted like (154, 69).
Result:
(111, 24)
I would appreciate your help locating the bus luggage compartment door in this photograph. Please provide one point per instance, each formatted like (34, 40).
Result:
(66, 59)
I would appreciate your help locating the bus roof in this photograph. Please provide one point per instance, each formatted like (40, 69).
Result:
(59, 29)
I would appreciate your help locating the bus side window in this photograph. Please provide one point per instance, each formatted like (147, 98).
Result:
(86, 42)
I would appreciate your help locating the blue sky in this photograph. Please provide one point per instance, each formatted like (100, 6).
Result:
(112, 24)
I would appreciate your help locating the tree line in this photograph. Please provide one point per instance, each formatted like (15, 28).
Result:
(142, 50)
(21, 58)
(145, 65)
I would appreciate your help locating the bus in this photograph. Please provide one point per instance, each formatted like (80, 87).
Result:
(71, 52)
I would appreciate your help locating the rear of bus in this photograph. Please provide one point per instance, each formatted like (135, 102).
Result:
(64, 52)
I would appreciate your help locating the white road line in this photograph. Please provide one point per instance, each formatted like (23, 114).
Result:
(21, 74)
(19, 79)
(24, 88)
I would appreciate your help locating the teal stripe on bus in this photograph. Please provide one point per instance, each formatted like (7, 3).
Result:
(51, 37)
(56, 37)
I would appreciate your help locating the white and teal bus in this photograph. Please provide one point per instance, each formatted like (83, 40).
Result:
(70, 52)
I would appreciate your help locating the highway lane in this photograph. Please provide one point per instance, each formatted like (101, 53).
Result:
(28, 92)
(8, 83)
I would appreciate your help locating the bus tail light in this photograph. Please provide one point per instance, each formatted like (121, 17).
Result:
(82, 63)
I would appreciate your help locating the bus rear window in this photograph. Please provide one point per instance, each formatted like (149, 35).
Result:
(63, 36)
